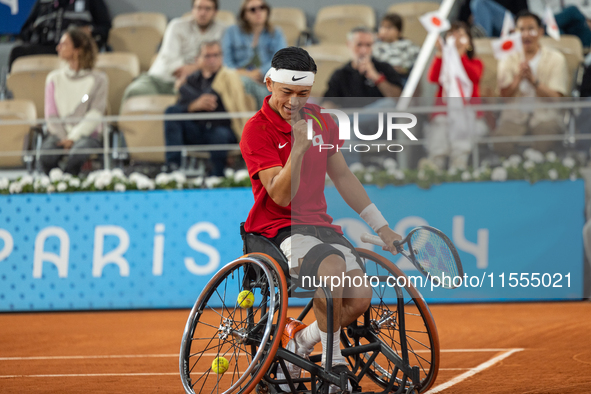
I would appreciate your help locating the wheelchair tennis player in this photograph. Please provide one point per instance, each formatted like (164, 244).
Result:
(288, 173)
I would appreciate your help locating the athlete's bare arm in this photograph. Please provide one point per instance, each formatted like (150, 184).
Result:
(355, 195)
(282, 183)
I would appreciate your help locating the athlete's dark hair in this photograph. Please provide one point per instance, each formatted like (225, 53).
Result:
(294, 58)
(528, 14)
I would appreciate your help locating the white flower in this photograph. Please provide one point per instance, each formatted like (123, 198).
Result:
(4, 183)
(178, 177)
(26, 180)
(514, 160)
(399, 175)
(568, 162)
(119, 187)
(422, 174)
(44, 181)
(118, 173)
(528, 164)
(55, 175)
(390, 164)
(213, 181)
(241, 175)
(198, 181)
(499, 174)
(553, 174)
(135, 176)
(62, 186)
(453, 171)
(466, 176)
(50, 189)
(476, 173)
(229, 172)
(356, 167)
(533, 155)
(368, 177)
(15, 187)
(551, 156)
(162, 179)
(67, 176)
(371, 169)
(74, 182)
(506, 164)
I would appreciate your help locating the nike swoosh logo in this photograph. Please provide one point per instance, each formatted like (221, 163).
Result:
(282, 146)
(293, 78)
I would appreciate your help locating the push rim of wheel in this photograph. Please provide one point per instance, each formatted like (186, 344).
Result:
(421, 333)
(219, 327)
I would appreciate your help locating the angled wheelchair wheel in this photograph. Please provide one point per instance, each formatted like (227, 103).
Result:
(384, 320)
(218, 327)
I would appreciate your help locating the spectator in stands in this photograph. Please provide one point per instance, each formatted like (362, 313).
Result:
(451, 134)
(250, 45)
(393, 48)
(543, 73)
(213, 88)
(364, 76)
(177, 57)
(49, 19)
(488, 15)
(572, 16)
(75, 91)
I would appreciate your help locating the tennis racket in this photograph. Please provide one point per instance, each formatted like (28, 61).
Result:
(431, 252)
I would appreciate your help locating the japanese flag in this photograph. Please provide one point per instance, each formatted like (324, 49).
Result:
(433, 22)
(506, 46)
(551, 26)
(453, 77)
(508, 24)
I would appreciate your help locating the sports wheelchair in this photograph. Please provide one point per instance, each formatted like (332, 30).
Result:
(392, 348)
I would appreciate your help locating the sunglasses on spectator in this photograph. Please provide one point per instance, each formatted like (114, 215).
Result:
(262, 7)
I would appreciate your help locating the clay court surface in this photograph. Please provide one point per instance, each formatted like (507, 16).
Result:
(486, 348)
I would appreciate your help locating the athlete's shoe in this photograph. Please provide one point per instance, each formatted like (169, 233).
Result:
(289, 343)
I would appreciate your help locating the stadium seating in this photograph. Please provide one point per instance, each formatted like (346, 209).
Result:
(328, 58)
(484, 52)
(226, 17)
(334, 22)
(121, 68)
(148, 133)
(572, 49)
(291, 20)
(139, 33)
(27, 78)
(410, 12)
(14, 136)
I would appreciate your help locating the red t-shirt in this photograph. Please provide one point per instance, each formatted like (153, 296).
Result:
(266, 142)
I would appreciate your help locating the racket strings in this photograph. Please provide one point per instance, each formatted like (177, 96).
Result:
(434, 256)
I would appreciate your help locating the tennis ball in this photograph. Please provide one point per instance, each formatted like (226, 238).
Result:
(220, 365)
(245, 299)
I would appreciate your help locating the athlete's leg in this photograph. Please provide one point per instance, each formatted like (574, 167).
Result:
(356, 299)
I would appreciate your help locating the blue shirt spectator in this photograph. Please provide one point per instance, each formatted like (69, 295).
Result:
(250, 45)
(240, 53)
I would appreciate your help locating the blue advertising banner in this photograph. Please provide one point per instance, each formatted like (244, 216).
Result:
(158, 249)
(13, 14)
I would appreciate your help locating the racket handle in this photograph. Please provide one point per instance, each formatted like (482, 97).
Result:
(372, 239)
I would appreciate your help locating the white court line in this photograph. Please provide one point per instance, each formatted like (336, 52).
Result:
(205, 354)
(473, 371)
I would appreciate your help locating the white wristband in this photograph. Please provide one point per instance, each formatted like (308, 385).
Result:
(373, 217)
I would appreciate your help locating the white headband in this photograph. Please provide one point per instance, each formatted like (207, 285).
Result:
(302, 78)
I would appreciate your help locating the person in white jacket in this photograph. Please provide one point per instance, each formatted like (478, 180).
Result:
(75, 92)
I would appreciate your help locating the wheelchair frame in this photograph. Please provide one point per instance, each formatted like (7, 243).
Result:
(362, 357)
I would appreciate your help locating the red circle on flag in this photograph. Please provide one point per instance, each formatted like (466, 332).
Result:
(436, 21)
(507, 45)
